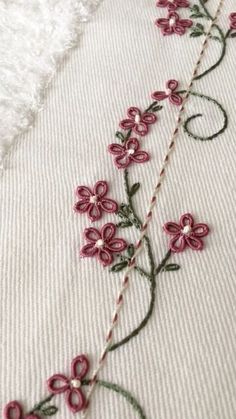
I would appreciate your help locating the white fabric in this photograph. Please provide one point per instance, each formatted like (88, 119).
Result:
(34, 37)
(55, 305)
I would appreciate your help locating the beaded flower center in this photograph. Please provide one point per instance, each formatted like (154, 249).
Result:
(93, 199)
(99, 243)
(172, 21)
(168, 91)
(137, 119)
(75, 383)
(187, 229)
(131, 151)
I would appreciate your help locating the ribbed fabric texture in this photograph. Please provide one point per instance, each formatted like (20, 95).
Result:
(55, 305)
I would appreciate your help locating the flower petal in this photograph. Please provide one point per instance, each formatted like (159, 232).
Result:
(149, 118)
(82, 206)
(94, 212)
(116, 245)
(132, 144)
(83, 192)
(172, 228)
(116, 149)
(141, 129)
(58, 383)
(127, 124)
(108, 205)
(186, 219)
(108, 231)
(194, 242)
(88, 250)
(177, 244)
(172, 7)
(162, 3)
(179, 29)
(12, 410)
(182, 3)
(186, 23)
(159, 95)
(162, 23)
(79, 367)
(140, 157)
(92, 234)
(172, 84)
(168, 30)
(122, 161)
(175, 99)
(105, 257)
(232, 16)
(100, 188)
(133, 112)
(200, 230)
(75, 400)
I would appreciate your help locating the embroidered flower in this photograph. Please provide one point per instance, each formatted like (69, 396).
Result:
(71, 386)
(128, 153)
(172, 5)
(93, 201)
(232, 19)
(171, 86)
(102, 243)
(173, 24)
(14, 410)
(186, 233)
(138, 121)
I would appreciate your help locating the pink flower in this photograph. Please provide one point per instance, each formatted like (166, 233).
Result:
(128, 153)
(173, 24)
(171, 86)
(172, 5)
(102, 243)
(137, 121)
(232, 18)
(94, 201)
(14, 410)
(71, 386)
(186, 233)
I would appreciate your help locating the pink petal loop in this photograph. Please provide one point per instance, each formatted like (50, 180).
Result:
(105, 257)
(94, 212)
(108, 205)
(58, 383)
(79, 367)
(200, 230)
(122, 161)
(186, 219)
(127, 124)
(186, 23)
(75, 400)
(177, 244)
(82, 206)
(194, 242)
(133, 112)
(84, 192)
(141, 129)
(116, 245)
(183, 3)
(108, 231)
(232, 16)
(233, 24)
(12, 410)
(149, 118)
(172, 84)
(162, 22)
(132, 144)
(162, 3)
(172, 228)
(116, 149)
(173, 15)
(168, 30)
(175, 99)
(179, 29)
(92, 234)
(159, 95)
(140, 157)
(88, 250)
(100, 188)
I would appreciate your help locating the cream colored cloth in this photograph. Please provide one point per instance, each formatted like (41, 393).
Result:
(55, 305)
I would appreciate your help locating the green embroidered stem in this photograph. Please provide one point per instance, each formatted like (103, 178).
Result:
(38, 406)
(138, 222)
(202, 3)
(220, 107)
(118, 389)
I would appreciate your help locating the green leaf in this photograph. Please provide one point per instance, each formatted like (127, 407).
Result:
(171, 267)
(200, 26)
(120, 136)
(134, 189)
(124, 224)
(49, 410)
(233, 35)
(125, 209)
(157, 108)
(196, 15)
(194, 34)
(194, 8)
(130, 250)
(119, 266)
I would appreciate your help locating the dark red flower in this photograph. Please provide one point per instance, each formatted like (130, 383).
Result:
(186, 233)
(173, 24)
(94, 201)
(171, 86)
(102, 244)
(138, 121)
(172, 5)
(128, 153)
(14, 410)
(232, 19)
(71, 386)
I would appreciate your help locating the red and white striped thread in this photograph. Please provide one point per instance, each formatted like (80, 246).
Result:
(139, 244)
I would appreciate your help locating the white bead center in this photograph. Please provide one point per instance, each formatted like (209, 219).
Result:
(131, 151)
(137, 119)
(172, 21)
(93, 199)
(187, 229)
(168, 91)
(99, 243)
(75, 383)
